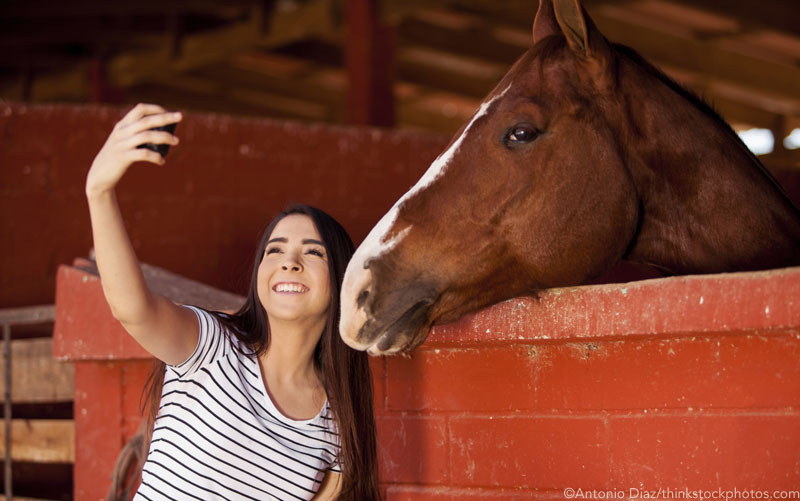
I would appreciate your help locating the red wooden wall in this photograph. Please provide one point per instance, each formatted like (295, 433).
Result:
(675, 383)
(681, 383)
(201, 214)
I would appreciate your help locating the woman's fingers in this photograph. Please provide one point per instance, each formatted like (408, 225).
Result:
(150, 121)
(149, 136)
(138, 112)
(144, 155)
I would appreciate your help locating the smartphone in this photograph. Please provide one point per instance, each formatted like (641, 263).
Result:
(161, 149)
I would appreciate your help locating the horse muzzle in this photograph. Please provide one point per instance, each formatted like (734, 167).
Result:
(399, 325)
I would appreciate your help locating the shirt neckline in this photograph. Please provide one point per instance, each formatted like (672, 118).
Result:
(274, 408)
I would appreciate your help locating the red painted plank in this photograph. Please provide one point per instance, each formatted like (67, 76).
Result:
(377, 366)
(767, 301)
(456, 379)
(419, 493)
(549, 453)
(134, 375)
(718, 372)
(98, 416)
(413, 449)
(84, 328)
(755, 451)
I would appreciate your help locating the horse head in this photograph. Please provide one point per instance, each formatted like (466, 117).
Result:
(543, 187)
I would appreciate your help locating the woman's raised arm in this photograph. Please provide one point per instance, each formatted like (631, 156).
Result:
(165, 330)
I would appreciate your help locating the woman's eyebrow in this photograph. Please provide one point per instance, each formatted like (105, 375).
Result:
(306, 241)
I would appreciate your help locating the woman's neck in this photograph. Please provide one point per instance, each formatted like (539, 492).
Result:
(289, 358)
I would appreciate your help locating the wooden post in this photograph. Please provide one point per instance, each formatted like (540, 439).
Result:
(100, 90)
(7, 409)
(368, 48)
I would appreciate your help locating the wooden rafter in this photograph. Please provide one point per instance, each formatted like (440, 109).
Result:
(141, 66)
(285, 58)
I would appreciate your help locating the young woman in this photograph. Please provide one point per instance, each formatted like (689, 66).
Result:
(267, 403)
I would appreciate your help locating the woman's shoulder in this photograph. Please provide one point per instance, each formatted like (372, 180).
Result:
(214, 320)
(216, 338)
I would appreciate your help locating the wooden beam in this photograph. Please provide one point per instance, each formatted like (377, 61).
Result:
(41, 440)
(26, 315)
(680, 50)
(197, 50)
(699, 55)
(448, 72)
(86, 8)
(776, 14)
(97, 32)
(137, 67)
(70, 85)
(479, 41)
(783, 15)
(36, 377)
(735, 103)
(324, 86)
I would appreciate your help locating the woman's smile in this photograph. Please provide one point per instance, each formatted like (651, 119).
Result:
(290, 288)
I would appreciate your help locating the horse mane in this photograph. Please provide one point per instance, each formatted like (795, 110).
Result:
(550, 46)
(698, 102)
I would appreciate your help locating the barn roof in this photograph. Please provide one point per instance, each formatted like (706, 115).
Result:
(289, 58)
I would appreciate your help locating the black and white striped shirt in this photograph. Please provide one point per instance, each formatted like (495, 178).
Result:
(218, 434)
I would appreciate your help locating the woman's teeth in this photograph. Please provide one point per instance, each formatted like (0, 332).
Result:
(290, 288)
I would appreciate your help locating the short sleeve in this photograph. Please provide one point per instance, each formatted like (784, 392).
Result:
(211, 344)
(335, 464)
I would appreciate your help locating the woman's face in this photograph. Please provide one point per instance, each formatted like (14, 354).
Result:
(293, 277)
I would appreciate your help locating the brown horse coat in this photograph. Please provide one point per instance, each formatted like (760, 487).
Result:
(583, 155)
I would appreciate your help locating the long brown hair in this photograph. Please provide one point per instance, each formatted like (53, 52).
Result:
(345, 372)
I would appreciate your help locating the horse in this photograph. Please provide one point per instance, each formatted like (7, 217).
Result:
(583, 155)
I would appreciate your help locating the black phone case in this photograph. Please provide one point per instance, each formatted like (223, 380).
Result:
(161, 149)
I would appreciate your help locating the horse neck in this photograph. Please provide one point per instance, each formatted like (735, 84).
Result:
(707, 204)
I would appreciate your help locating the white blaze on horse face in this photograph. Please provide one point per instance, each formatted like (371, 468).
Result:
(357, 277)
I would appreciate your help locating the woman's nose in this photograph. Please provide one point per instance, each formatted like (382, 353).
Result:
(291, 263)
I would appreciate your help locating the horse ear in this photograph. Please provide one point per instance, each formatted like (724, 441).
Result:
(582, 35)
(545, 24)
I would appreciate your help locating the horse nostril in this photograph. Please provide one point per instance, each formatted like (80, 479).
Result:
(362, 298)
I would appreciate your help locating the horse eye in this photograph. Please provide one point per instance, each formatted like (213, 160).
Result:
(521, 134)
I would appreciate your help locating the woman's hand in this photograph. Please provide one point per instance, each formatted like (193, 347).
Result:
(120, 149)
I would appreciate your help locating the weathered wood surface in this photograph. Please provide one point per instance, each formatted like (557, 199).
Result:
(37, 377)
(41, 440)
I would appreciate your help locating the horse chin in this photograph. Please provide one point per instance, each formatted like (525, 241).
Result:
(400, 335)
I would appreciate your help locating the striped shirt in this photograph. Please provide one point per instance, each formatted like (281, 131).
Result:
(218, 435)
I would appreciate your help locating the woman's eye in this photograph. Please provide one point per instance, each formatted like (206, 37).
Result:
(272, 250)
(521, 134)
(316, 252)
